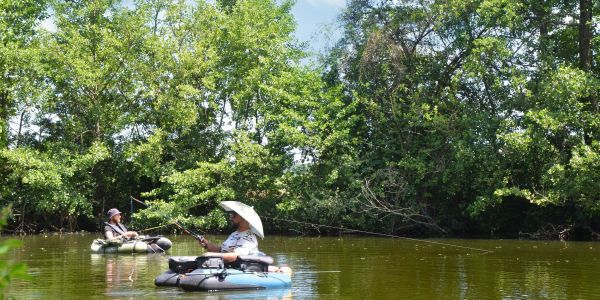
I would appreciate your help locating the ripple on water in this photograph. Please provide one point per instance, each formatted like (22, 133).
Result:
(62, 267)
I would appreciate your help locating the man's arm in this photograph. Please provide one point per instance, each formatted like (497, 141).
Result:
(227, 257)
(211, 247)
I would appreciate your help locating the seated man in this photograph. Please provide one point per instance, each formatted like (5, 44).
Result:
(114, 229)
(241, 242)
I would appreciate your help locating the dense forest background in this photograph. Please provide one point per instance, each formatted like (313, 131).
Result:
(428, 117)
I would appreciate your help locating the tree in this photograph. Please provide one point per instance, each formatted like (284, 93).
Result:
(17, 56)
(243, 69)
(460, 118)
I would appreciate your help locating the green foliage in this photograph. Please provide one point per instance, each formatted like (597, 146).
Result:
(9, 269)
(51, 184)
(428, 117)
(459, 118)
(248, 175)
(17, 58)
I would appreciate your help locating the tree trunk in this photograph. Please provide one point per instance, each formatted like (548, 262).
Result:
(18, 139)
(585, 34)
(585, 52)
(4, 124)
(542, 17)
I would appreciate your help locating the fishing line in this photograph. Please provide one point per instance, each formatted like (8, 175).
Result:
(312, 272)
(484, 251)
(171, 221)
(151, 228)
(147, 206)
(132, 271)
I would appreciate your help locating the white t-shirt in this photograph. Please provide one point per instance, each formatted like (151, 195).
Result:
(242, 243)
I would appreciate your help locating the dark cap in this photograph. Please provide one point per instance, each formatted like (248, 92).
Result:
(112, 212)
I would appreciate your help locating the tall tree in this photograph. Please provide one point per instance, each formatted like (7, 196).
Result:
(240, 66)
(585, 34)
(17, 44)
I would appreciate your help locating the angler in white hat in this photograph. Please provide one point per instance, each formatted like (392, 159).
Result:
(243, 241)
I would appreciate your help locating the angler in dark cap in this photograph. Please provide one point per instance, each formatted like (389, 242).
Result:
(114, 229)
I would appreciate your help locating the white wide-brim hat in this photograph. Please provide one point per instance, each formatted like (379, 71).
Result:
(247, 212)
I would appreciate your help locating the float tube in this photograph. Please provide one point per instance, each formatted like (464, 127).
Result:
(156, 244)
(205, 273)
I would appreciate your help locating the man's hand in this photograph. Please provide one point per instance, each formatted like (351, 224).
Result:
(203, 242)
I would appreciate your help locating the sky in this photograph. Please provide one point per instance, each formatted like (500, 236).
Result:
(317, 22)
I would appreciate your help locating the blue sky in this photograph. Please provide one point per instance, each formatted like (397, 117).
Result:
(317, 22)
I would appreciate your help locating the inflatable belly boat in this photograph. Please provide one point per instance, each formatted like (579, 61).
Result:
(203, 273)
(157, 244)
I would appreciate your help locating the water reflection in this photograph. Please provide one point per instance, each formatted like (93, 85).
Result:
(273, 294)
(370, 268)
(121, 272)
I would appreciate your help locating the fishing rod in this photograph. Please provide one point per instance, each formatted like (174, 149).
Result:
(188, 231)
(484, 251)
(131, 199)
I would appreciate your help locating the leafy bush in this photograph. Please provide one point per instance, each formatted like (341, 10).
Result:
(9, 269)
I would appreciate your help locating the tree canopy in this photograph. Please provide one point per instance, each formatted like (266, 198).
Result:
(428, 117)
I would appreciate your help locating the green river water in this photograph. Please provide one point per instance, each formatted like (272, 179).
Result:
(364, 268)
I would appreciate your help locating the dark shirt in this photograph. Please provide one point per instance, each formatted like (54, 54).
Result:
(115, 233)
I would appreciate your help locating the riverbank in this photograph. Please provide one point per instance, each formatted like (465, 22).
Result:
(551, 235)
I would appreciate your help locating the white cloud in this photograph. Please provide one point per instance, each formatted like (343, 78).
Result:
(336, 3)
